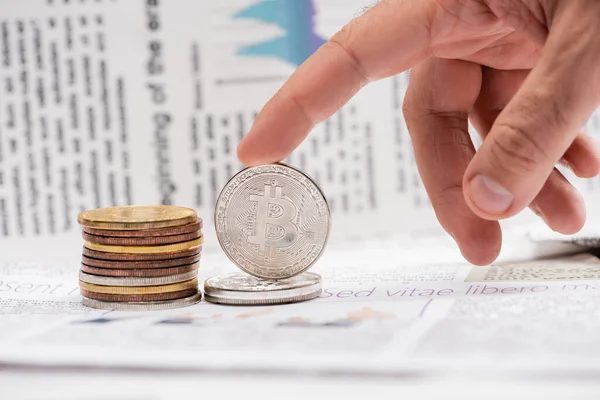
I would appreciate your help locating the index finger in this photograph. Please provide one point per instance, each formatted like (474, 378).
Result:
(384, 41)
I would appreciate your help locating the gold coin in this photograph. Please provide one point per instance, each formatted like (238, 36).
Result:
(136, 217)
(173, 287)
(148, 233)
(166, 248)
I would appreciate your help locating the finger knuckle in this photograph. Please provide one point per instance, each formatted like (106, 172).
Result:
(407, 107)
(410, 120)
(411, 102)
(342, 41)
(515, 151)
(342, 37)
(516, 10)
(447, 197)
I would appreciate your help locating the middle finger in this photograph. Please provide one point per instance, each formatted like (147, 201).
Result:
(440, 95)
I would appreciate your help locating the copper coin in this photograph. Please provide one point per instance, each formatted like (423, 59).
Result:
(103, 255)
(139, 297)
(125, 265)
(141, 241)
(147, 306)
(140, 273)
(146, 233)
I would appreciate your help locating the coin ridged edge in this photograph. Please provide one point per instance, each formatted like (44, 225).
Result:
(306, 284)
(279, 294)
(147, 233)
(266, 294)
(140, 272)
(137, 226)
(124, 265)
(141, 306)
(165, 248)
(136, 281)
(140, 241)
(108, 289)
(261, 302)
(127, 257)
(139, 298)
(85, 219)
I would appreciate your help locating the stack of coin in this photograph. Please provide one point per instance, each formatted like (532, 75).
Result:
(273, 222)
(140, 257)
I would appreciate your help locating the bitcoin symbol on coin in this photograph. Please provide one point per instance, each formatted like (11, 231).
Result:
(272, 221)
(274, 226)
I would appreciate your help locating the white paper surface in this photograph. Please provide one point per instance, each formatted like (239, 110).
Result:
(79, 385)
(384, 309)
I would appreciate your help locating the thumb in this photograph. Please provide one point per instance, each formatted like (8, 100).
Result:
(539, 124)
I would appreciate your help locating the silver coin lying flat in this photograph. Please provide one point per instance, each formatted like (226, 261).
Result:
(242, 289)
(142, 306)
(272, 221)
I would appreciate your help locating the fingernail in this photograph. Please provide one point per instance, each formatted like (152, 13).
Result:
(489, 196)
(565, 164)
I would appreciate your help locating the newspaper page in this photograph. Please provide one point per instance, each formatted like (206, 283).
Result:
(143, 102)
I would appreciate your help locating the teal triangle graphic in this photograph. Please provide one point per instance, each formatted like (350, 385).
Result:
(296, 17)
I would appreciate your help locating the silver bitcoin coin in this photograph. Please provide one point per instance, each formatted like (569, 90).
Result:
(241, 289)
(272, 221)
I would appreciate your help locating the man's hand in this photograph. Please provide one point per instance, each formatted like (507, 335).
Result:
(525, 72)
